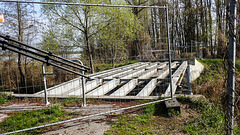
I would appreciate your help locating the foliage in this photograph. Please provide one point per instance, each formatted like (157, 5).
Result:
(213, 70)
(4, 97)
(59, 40)
(27, 119)
(212, 82)
(210, 121)
(123, 26)
(173, 112)
(213, 85)
(97, 32)
(237, 67)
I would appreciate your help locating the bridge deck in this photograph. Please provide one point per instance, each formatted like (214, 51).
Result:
(134, 81)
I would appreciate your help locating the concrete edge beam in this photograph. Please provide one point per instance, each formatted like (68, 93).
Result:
(176, 79)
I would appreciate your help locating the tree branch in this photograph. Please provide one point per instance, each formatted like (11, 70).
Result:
(76, 14)
(71, 24)
(109, 22)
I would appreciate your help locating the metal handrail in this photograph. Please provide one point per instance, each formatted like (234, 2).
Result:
(42, 51)
(42, 58)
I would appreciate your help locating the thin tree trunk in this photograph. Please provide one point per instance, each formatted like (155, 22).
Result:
(210, 27)
(20, 38)
(89, 51)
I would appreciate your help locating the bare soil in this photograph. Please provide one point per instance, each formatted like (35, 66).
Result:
(92, 126)
(173, 125)
(99, 124)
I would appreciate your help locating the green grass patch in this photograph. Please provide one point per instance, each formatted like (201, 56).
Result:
(131, 125)
(72, 101)
(140, 124)
(237, 65)
(27, 119)
(214, 69)
(5, 97)
(173, 112)
(211, 120)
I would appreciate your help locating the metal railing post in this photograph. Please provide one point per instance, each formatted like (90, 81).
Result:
(45, 84)
(83, 85)
(189, 79)
(169, 53)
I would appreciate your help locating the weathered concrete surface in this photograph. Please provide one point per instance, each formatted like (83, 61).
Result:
(107, 81)
(192, 97)
(195, 70)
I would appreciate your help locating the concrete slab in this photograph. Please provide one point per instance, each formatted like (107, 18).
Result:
(195, 70)
(173, 104)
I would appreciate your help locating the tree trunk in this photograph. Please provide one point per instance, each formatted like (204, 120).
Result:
(89, 51)
(210, 27)
(20, 38)
(89, 54)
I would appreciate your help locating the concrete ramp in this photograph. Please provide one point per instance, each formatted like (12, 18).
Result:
(134, 81)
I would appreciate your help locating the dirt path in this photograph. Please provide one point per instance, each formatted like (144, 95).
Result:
(91, 126)
(99, 124)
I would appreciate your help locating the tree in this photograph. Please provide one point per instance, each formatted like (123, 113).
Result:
(81, 18)
(59, 40)
(19, 23)
(92, 21)
(112, 38)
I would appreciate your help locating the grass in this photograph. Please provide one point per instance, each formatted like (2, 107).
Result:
(145, 123)
(72, 101)
(213, 85)
(152, 120)
(212, 82)
(134, 124)
(214, 69)
(27, 119)
(4, 98)
(237, 65)
(210, 121)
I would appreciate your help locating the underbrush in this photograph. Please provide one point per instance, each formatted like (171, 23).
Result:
(210, 120)
(28, 119)
(214, 69)
(213, 84)
(5, 97)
